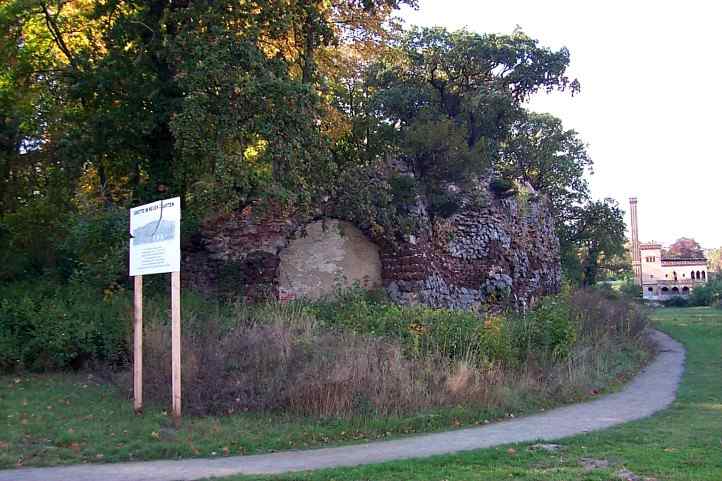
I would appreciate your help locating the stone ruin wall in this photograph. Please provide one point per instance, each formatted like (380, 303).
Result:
(500, 252)
(503, 253)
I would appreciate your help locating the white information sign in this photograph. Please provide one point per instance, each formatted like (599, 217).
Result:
(155, 237)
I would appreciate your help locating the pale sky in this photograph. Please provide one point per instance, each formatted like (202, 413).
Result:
(651, 98)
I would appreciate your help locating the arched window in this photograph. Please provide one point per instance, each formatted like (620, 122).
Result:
(698, 275)
(675, 290)
(650, 289)
(692, 275)
(685, 290)
(665, 289)
(703, 276)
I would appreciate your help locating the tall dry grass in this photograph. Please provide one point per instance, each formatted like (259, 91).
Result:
(280, 358)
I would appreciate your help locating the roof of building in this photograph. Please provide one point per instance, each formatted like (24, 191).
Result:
(684, 251)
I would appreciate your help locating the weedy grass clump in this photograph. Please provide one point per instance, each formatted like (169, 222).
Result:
(358, 354)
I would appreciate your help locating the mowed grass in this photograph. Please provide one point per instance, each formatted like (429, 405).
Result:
(682, 443)
(62, 419)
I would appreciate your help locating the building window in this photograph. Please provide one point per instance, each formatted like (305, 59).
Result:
(703, 276)
(650, 289)
(692, 276)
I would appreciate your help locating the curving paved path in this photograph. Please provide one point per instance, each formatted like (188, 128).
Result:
(652, 390)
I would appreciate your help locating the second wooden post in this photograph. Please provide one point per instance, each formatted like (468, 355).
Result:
(176, 343)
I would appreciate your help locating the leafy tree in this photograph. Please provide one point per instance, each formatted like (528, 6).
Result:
(714, 260)
(685, 247)
(552, 159)
(453, 96)
(595, 233)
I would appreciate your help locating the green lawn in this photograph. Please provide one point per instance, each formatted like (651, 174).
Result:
(682, 443)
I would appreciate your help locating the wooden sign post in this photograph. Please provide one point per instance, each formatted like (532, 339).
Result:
(155, 249)
(176, 342)
(138, 344)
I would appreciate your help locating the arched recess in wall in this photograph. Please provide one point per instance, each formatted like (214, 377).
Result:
(675, 290)
(325, 256)
(685, 290)
(703, 276)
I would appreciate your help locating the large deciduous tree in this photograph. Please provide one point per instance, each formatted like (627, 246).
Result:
(454, 96)
(595, 233)
(552, 159)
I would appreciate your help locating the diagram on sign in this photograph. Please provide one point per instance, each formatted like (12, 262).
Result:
(155, 243)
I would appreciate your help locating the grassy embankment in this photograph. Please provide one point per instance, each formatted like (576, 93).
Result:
(683, 443)
(66, 418)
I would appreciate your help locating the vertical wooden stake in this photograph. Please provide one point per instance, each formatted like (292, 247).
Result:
(138, 344)
(176, 343)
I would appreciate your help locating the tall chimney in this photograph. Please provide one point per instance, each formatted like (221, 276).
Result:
(636, 256)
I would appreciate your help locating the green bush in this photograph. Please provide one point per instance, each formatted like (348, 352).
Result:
(676, 301)
(545, 331)
(630, 289)
(404, 189)
(422, 330)
(95, 249)
(48, 326)
(28, 239)
(502, 187)
(706, 295)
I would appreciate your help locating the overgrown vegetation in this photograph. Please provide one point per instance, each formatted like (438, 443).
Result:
(286, 376)
(317, 358)
(709, 294)
(679, 444)
(360, 355)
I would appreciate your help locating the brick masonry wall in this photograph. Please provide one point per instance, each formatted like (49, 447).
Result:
(502, 253)
(493, 252)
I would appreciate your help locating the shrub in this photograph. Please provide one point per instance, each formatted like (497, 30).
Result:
(28, 239)
(631, 290)
(404, 189)
(455, 334)
(95, 249)
(502, 187)
(676, 301)
(546, 331)
(47, 326)
(706, 295)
